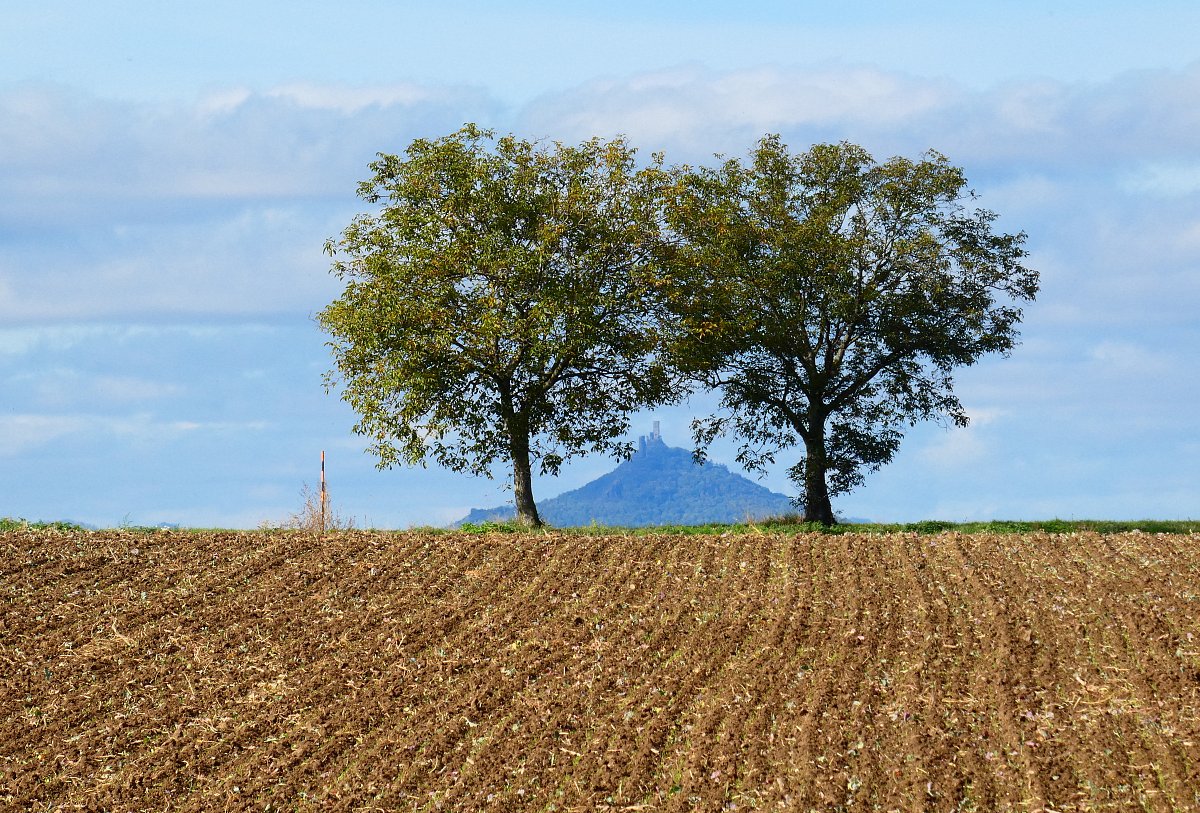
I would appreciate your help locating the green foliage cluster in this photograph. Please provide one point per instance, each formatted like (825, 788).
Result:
(17, 524)
(844, 295)
(489, 527)
(515, 303)
(496, 309)
(1051, 526)
(796, 524)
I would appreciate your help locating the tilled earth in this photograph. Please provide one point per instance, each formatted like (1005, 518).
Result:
(414, 671)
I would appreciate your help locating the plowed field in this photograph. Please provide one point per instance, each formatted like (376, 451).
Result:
(410, 671)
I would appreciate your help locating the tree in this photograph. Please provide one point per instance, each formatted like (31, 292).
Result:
(829, 298)
(496, 308)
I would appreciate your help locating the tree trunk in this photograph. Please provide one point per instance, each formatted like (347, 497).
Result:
(517, 428)
(527, 513)
(817, 507)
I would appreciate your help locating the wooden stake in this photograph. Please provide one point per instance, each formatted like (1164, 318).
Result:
(323, 493)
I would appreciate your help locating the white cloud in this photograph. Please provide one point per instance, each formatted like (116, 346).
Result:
(62, 338)
(1032, 107)
(1172, 180)
(252, 260)
(768, 98)
(703, 111)
(962, 447)
(22, 433)
(1189, 238)
(137, 426)
(956, 449)
(298, 139)
(221, 206)
(19, 341)
(114, 209)
(58, 387)
(347, 100)
(1031, 192)
(984, 416)
(222, 102)
(1124, 358)
(1023, 127)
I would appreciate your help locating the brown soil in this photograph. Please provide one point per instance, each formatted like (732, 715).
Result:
(412, 671)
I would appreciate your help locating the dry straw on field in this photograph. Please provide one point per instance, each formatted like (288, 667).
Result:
(360, 671)
(316, 515)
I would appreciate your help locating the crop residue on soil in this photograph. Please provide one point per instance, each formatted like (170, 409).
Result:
(369, 671)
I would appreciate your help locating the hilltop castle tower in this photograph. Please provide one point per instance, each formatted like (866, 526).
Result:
(655, 436)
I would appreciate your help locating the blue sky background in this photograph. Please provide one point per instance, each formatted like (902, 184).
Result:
(169, 173)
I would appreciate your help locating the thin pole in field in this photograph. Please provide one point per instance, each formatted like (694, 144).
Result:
(323, 492)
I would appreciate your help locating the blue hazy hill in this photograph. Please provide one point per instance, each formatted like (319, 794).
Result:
(658, 485)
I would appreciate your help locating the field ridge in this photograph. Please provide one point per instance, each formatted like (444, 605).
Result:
(558, 671)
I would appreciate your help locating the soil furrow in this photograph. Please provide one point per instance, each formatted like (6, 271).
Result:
(193, 671)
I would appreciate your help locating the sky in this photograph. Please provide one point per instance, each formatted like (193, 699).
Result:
(170, 172)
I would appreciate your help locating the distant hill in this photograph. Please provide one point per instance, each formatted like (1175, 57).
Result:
(659, 485)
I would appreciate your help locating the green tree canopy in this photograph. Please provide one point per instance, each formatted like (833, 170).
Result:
(830, 298)
(497, 306)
